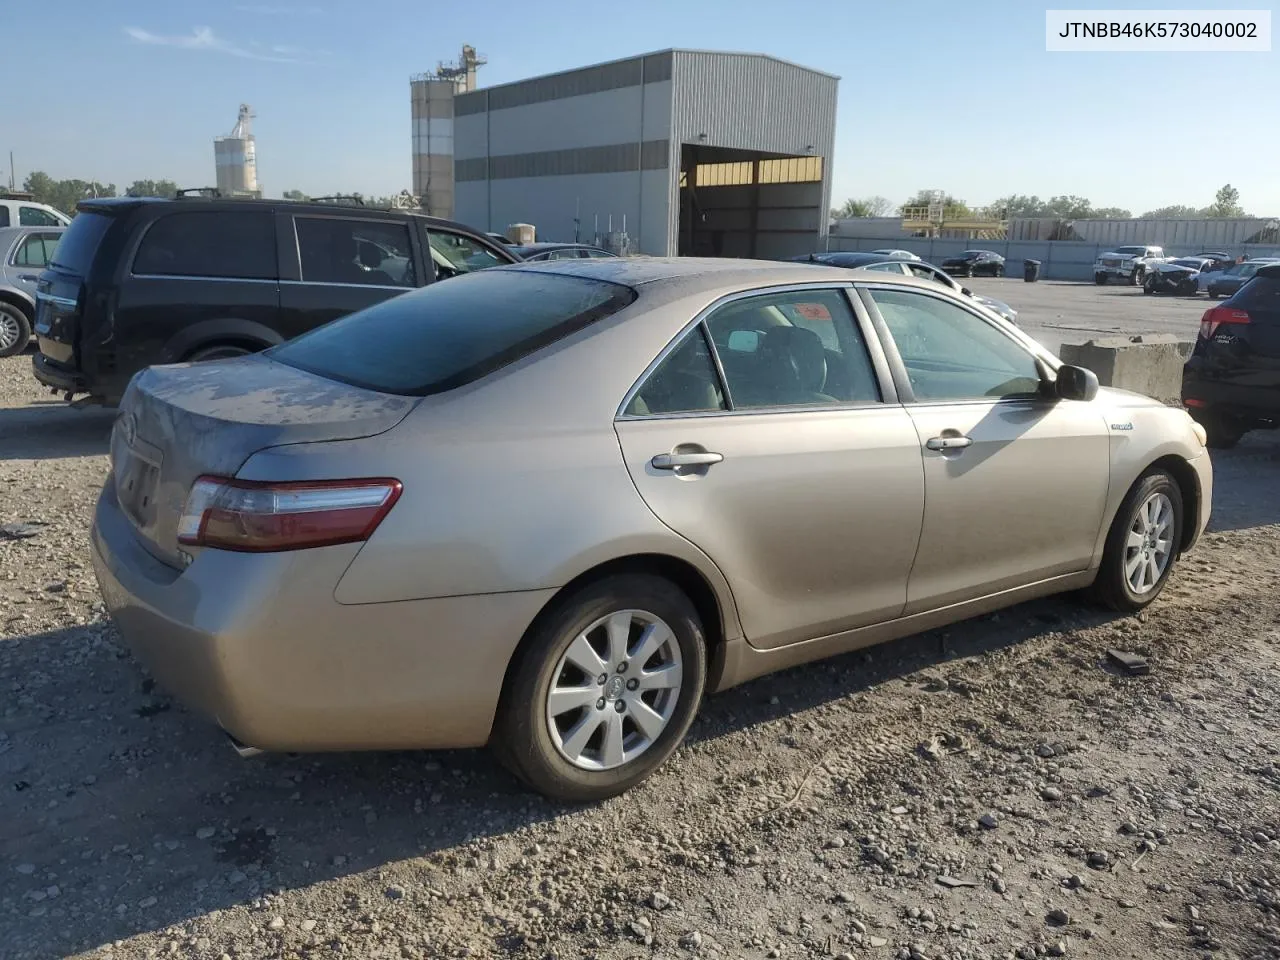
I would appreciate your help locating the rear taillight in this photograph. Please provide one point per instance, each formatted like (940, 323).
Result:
(1216, 317)
(261, 517)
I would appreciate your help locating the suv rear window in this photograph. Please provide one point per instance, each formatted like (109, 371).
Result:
(1262, 293)
(239, 244)
(451, 333)
(76, 249)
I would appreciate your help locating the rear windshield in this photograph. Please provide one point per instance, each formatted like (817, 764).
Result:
(1260, 293)
(75, 250)
(453, 331)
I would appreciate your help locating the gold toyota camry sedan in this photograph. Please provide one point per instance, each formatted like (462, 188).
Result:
(549, 507)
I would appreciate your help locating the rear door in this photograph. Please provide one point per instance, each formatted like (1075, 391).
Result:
(332, 265)
(1246, 356)
(197, 277)
(30, 256)
(60, 290)
(768, 435)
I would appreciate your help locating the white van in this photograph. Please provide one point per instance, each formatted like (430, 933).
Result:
(16, 212)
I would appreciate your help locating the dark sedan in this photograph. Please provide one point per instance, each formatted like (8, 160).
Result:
(975, 263)
(558, 251)
(1228, 281)
(912, 268)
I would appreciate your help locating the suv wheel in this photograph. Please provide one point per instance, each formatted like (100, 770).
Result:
(1141, 545)
(1100, 278)
(15, 330)
(603, 689)
(1222, 432)
(219, 352)
(1137, 276)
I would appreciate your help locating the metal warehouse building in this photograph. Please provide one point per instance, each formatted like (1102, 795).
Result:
(688, 152)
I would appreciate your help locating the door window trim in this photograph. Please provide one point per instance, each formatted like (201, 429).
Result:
(880, 364)
(899, 369)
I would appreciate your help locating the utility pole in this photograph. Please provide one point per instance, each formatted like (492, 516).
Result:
(12, 184)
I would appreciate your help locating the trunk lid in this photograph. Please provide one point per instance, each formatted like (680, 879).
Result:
(182, 421)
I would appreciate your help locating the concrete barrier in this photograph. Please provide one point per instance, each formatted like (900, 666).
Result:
(1151, 365)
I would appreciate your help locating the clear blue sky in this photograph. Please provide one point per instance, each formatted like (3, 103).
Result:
(945, 95)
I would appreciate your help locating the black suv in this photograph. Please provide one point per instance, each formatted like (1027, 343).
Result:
(136, 282)
(1231, 382)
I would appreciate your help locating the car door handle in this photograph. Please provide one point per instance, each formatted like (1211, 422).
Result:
(29, 277)
(948, 443)
(669, 461)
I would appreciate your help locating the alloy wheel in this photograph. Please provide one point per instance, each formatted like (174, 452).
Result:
(1149, 544)
(10, 330)
(614, 690)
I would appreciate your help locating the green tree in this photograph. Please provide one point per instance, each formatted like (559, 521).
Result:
(851, 209)
(294, 195)
(1016, 205)
(1226, 203)
(1112, 213)
(1176, 211)
(64, 194)
(951, 207)
(152, 188)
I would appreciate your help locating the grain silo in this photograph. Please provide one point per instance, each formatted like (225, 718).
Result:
(431, 96)
(235, 158)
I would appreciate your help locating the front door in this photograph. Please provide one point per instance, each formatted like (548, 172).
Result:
(1015, 483)
(791, 472)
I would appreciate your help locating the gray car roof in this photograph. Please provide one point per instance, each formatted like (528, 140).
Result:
(708, 272)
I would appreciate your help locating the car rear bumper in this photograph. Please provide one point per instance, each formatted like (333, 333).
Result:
(1241, 400)
(55, 375)
(258, 643)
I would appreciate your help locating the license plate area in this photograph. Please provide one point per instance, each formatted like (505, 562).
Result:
(137, 474)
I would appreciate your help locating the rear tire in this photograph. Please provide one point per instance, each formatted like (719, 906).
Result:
(15, 330)
(223, 351)
(1137, 276)
(1100, 279)
(1222, 432)
(1134, 569)
(539, 745)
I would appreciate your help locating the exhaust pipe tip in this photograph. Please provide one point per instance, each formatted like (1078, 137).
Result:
(244, 750)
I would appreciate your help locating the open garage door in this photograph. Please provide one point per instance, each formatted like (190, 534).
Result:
(740, 203)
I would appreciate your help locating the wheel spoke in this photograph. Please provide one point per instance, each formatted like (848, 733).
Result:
(583, 656)
(648, 720)
(1135, 540)
(1131, 565)
(662, 678)
(1153, 572)
(619, 631)
(653, 637)
(563, 699)
(578, 735)
(611, 749)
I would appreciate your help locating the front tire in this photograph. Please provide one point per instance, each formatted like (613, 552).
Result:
(1137, 276)
(1100, 279)
(603, 689)
(15, 330)
(1142, 544)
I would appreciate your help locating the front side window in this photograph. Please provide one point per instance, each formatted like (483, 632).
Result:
(350, 251)
(597, 254)
(4, 216)
(886, 267)
(239, 244)
(685, 382)
(456, 253)
(798, 347)
(35, 217)
(927, 273)
(35, 251)
(571, 254)
(952, 354)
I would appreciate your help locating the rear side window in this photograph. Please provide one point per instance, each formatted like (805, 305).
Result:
(35, 217)
(234, 244)
(366, 252)
(35, 251)
(1261, 294)
(449, 334)
(4, 216)
(76, 249)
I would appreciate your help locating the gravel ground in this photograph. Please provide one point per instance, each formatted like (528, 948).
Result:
(993, 790)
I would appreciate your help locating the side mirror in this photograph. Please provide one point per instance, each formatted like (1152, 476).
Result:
(966, 291)
(1075, 383)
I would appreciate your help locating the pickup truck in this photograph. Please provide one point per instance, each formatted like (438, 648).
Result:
(1127, 263)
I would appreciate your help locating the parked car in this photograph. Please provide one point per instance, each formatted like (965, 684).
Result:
(897, 254)
(1231, 381)
(547, 507)
(137, 281)
(912, 268)
(24, 252)
(19, 210)
(1127, 263)
(1228, 281)
(1180, 276)
(975, 263)
(559, 251)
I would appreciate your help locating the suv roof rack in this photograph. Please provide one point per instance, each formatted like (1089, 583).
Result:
(17, 195)
(201, 191)
(354, 198)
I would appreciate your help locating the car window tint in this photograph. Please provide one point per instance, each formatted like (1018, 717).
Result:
(1261, 295)
(926, 273)
(35, 217)
(365, 252)
(445, 335)
(685, 382)
(598, 253)
(209, 243)
(4, 216)
(952, 354)
(800, 347)
(563, 255)
(35, 251)
(455, 253)
(886, 267)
